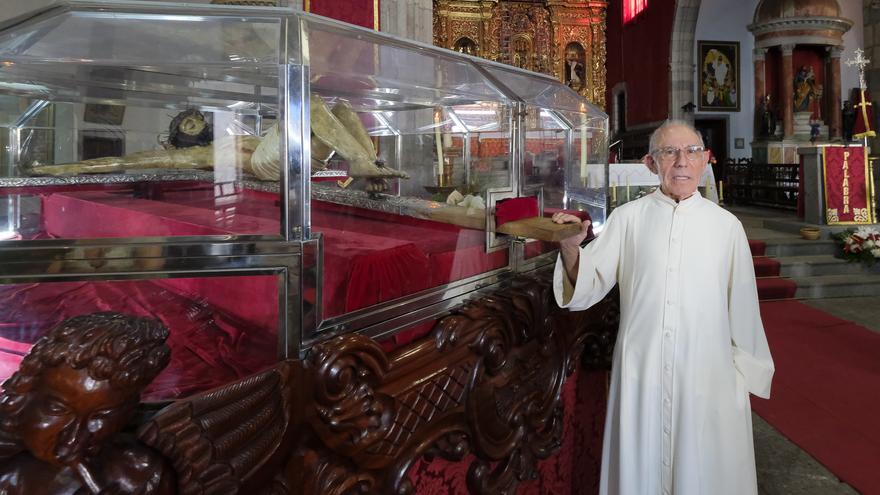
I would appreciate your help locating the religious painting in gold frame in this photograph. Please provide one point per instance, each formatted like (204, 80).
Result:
(719, 76)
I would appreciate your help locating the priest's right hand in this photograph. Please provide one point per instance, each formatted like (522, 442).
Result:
(573, 242)
(570, 248)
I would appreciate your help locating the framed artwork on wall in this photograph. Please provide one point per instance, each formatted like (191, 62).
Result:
(719, 76)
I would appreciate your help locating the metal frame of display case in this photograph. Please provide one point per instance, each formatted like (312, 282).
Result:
(287, 253)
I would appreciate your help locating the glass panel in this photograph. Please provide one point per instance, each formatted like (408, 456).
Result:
(540, 90)
(587, 167)
(356, 63)
(213, 338)
(382, 246)
(433, 116)
(144, 35)
(142, 119)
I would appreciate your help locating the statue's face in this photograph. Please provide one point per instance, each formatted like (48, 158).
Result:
(69, 414)
(571, 55)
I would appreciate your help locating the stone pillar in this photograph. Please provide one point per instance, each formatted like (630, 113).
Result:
(834, 87)
(787, 83)
(760, 86)
(411, 19)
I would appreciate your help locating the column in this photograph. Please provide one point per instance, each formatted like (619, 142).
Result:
(834, 88)
(787, 83)
(760, 86)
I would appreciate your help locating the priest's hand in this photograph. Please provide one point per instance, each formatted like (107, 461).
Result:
(570, 248)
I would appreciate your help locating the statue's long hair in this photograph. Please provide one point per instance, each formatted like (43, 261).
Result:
(128, 351)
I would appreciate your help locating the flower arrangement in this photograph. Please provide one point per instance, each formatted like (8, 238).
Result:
(862, 244)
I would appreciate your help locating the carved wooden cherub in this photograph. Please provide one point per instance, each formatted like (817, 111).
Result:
(62, 413)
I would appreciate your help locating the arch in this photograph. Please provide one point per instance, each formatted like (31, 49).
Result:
(682, 65)
(466, 45)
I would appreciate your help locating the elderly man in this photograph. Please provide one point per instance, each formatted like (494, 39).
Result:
(691, 345)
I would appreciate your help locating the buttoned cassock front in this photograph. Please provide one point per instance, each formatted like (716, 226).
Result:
(690, 347)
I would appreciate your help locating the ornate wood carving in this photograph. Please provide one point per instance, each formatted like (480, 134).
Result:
(502, 29)
(349, 419)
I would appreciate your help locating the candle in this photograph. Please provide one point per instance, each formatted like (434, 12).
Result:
(720, 191)
(583, 150)
(613, 194)
(627, 189)
(439, 141)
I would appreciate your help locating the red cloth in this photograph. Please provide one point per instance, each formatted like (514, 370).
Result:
(574, 470)
(512, 209)
(846, 184)
(358, 12)
(209, 346)
(824, 390)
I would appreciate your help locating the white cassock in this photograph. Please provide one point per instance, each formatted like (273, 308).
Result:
(690, 347)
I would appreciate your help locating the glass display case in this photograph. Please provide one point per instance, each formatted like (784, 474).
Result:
(328, 177)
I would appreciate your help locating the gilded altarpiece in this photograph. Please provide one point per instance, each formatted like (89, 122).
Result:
(563, 38)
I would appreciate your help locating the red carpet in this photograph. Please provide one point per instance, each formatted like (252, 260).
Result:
(765, 267)
(826, 391)
(770, 285)
(757, 247)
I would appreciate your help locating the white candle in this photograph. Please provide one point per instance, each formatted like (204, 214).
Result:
(583, 151)
(439, 141)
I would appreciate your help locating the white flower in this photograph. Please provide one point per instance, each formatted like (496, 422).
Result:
(868, 244)
(875, 252)
(866, 232)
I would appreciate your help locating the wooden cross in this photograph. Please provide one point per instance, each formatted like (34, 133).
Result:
(860, 61)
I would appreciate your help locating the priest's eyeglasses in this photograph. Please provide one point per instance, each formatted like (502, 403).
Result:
(670, 153)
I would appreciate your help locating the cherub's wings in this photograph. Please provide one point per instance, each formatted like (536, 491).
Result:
(220, 441)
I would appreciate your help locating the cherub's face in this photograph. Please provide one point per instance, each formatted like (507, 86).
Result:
(69, 414)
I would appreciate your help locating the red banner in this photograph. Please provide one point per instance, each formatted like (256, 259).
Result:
(848, 185)
(361, 12)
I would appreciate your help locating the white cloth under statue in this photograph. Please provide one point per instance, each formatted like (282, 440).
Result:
(690, 348)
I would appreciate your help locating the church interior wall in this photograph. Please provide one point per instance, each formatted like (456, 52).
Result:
(722, 20)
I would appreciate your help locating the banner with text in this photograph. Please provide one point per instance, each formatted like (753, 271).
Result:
(848, 191)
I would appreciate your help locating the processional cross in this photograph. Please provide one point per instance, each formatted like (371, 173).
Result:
(861, 62)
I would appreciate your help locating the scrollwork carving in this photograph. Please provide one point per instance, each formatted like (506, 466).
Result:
(346, 373)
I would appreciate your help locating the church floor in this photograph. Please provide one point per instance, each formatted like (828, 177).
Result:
(785, 469)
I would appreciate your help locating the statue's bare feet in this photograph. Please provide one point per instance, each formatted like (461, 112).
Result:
(371, 170)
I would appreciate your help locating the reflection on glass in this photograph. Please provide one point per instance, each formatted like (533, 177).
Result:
(214, 338)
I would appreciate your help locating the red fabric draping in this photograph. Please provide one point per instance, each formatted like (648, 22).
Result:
(358, 12)
(847, 193)
(864, 116)
(209, 345)
(574, 470)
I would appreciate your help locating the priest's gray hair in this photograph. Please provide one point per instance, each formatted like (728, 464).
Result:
(655, 136)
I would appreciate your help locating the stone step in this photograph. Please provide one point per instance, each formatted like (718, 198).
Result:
(824, 286)
(799, 247)
(819, 264)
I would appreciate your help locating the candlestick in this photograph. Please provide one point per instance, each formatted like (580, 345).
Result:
(614, 194)
(720, 191)
(627, 189)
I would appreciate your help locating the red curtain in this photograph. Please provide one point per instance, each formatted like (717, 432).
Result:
(631, 8)
(360, 12)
